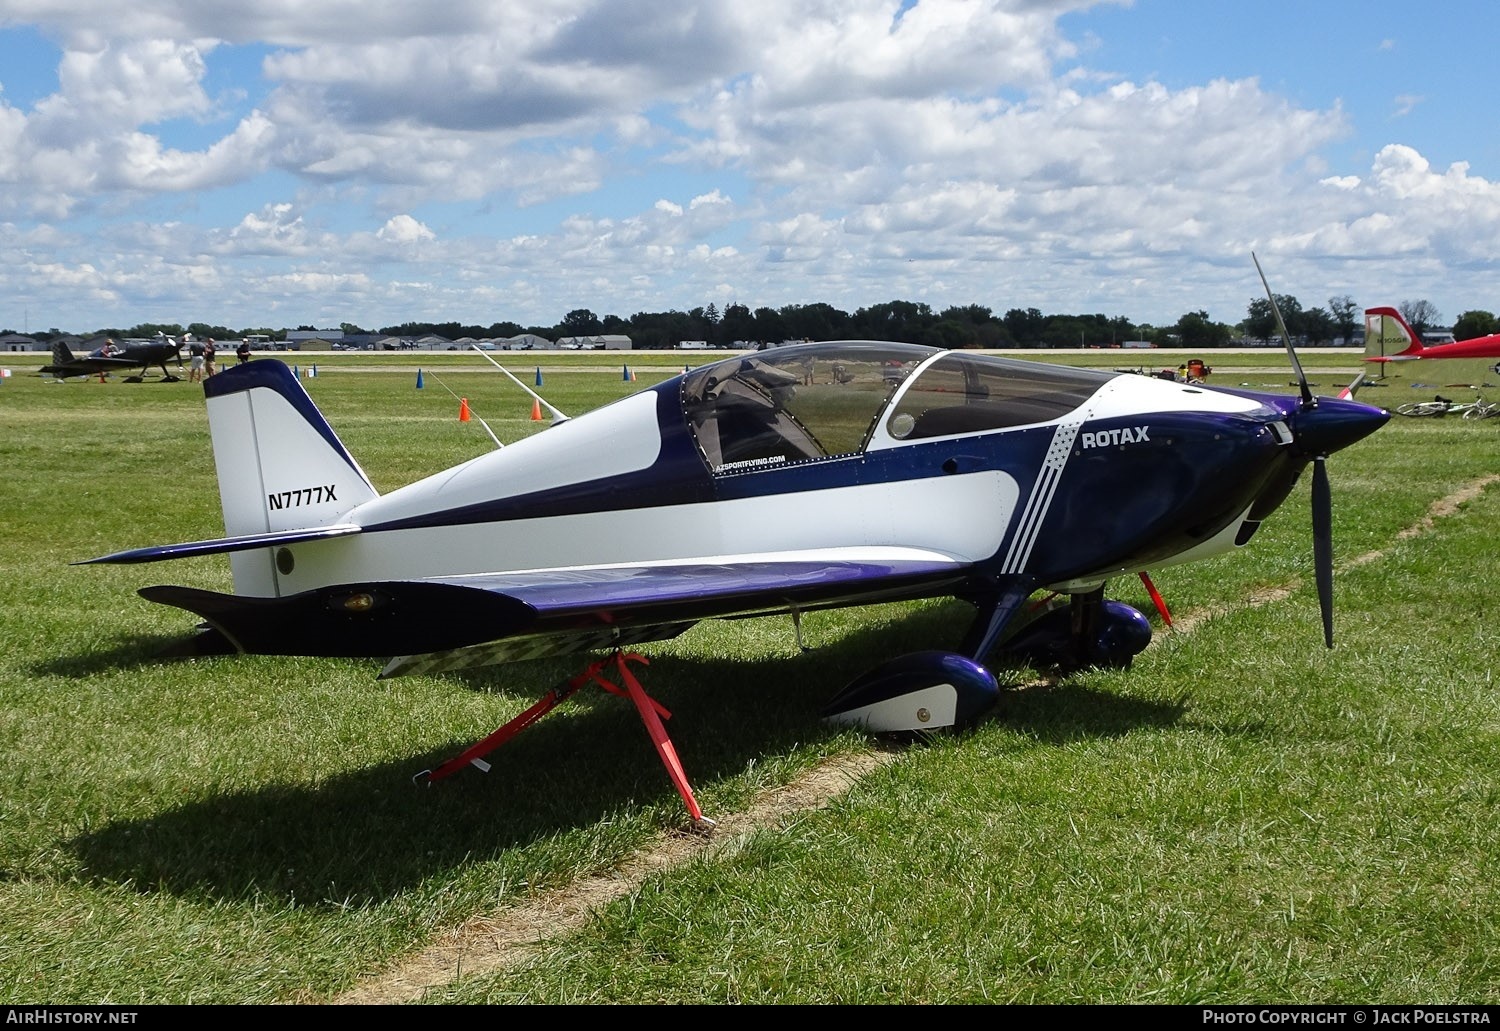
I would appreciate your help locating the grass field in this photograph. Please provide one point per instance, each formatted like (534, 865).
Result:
(1243, 816)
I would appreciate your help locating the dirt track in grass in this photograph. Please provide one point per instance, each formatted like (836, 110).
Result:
(486, 944)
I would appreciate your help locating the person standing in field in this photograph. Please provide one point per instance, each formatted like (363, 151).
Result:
(208, 357)
(195, 361)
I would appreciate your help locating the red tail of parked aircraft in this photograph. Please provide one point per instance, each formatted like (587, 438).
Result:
(1389, 339)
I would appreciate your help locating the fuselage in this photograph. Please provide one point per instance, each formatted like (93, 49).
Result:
(1065, 476)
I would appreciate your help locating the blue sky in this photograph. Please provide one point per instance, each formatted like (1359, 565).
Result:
(315, 162)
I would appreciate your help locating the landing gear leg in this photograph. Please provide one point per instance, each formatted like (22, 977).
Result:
(996, 609)
(1084, 617)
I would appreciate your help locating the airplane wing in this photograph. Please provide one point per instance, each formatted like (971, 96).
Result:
(89, 367)
(476, 619)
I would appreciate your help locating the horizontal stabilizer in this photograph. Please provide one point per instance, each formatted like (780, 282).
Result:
(224, 545)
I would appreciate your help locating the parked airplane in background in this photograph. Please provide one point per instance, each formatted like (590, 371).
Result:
(800, 478)
(112, 358)
(1389, 340)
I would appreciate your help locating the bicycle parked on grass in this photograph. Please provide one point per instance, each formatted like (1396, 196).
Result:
(1440, 406)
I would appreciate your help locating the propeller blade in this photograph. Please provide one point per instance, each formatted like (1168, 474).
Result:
(1291, 352)
(1322, 520)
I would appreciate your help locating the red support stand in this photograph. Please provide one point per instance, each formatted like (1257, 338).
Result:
(1156, 599)
(664, 748)
(650, 711)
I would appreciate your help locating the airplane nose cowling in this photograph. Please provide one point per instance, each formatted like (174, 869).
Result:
(1333, 424)
(1320, 428)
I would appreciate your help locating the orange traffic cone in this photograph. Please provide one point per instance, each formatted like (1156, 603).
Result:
(463, 409)
(536, 411)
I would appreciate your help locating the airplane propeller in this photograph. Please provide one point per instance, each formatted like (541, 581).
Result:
(1322, 520)
(1322, 497)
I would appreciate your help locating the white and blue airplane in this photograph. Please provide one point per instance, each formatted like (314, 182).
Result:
(805, 477)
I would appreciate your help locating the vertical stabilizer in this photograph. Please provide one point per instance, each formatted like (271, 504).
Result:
(280, 465)
(1388, 336)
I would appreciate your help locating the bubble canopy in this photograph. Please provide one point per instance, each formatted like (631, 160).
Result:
(814, 401)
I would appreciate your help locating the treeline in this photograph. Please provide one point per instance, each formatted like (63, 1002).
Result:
(973, 326)
(738, 325)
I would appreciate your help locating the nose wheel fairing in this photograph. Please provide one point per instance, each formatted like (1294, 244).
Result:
(916, 693)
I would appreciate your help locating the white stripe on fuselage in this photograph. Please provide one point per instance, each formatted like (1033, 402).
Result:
(1041, 496)
(963, 516)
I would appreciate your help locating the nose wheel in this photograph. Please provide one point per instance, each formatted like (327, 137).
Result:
(1088, 630)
